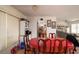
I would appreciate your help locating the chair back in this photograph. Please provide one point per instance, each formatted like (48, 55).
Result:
(41, 44)
(47, 45)
(57, 46)
(33, 43)
(52, 45)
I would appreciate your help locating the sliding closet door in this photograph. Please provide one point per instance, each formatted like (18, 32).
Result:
(12, 30)
(3, 31)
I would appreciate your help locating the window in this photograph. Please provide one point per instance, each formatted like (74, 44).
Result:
(68, 30)
(75, 28)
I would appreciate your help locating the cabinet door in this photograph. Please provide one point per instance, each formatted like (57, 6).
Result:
(12, 30)
(3, 30)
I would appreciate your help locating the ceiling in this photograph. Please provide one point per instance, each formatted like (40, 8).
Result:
(63, 12)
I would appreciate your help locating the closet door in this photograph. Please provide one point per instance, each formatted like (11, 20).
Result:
(12, 30)
(3, 31)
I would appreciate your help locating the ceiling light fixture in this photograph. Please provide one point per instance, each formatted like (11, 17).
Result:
(34, 7)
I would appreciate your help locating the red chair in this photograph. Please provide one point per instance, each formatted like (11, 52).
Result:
(41, 44)
(47, 46)
(52, 45)
(70, 47)
(57, 46)
(14, 49)
(63, 46)
(67, 47)
(33, 43)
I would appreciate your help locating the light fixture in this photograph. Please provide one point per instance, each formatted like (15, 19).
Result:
(34, 7)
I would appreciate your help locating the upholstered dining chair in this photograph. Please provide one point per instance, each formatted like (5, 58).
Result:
(41, 44)
(57, 46)
(52, 45)
(48, 46)
(70, 47)
(33, 43)
(63, 46)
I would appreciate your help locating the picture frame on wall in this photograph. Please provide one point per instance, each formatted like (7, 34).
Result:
(53, 24)
(48, 23)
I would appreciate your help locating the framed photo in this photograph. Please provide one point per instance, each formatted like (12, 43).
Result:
(53, 24)
(48, 23)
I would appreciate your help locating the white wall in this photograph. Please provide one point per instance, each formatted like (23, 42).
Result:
(9, 26)
(33, 24)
